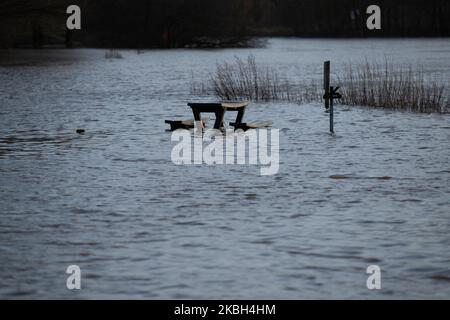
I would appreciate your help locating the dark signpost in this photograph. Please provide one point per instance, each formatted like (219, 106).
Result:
(331, 93)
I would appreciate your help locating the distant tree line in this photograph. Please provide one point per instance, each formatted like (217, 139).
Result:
(180, 23)
(32, 23)
(162, 23)
(347, 18)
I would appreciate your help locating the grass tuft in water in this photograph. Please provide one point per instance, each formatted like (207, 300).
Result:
(113, 54)
(393, 87)
(247, 80)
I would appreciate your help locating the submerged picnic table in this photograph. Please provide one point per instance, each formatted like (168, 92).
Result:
(219, 109)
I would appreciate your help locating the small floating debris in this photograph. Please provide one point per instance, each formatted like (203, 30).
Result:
(384, 178)
(81, 131)
(338, 177)
(441, 278)
(251, 196)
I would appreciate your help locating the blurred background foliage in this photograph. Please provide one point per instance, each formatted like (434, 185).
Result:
(211, 23)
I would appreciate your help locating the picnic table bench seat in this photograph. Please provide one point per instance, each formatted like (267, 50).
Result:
(184, 124)
(249, 126)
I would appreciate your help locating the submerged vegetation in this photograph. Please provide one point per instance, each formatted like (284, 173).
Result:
(389, 86)
(248, 80)
(113, 54)
(380, 85)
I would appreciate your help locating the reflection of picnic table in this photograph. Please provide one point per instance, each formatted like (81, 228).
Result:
(219, 109)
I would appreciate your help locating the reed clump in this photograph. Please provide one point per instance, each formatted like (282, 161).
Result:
(113, 54)
(385, 85)
(246, 80)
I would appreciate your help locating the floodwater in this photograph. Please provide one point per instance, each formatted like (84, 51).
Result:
(112, 202)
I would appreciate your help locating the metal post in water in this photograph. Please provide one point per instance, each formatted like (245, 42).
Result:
(326, 83)
(331, 93)
(331, 110)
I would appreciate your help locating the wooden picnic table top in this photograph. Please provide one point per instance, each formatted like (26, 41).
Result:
(225, 105)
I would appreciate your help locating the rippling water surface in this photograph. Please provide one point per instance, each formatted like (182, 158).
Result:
(112, 202)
